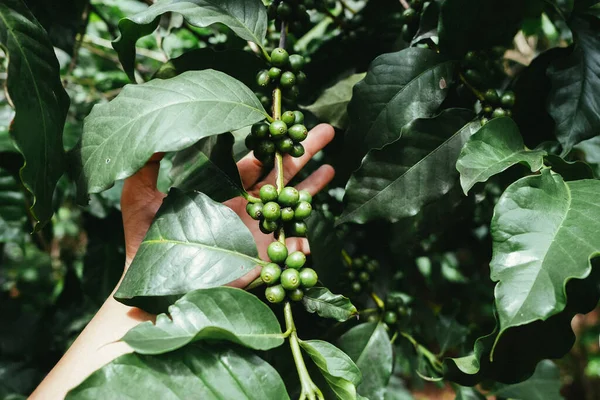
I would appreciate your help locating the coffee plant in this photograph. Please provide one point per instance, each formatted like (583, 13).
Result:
(451, 253)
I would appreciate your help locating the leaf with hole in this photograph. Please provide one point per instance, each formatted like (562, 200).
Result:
(198, 371)
(193, 243)
(222, 313)
(494, 148)
(247, 18)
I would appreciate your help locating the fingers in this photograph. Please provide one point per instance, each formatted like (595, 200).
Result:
(297, 244)
(250, 170)
(318, 138)
(317, 180)
(246, 279)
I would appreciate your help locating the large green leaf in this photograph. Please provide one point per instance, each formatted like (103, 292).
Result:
(473, 25)
(398, 88)
(222, 313)
(545, 384)
(12, 209)
(40, 101)
(326, 249)
(193, 243)
(327, 304)
(468, 393)
(198, 372)
(544, 233)
(331, 106)
(369, 346)
(239, 64)
(161, 115)
(208, 167)
(575, 81)
(401, 178)
(497, 146)
(337, 368)
(247, 18)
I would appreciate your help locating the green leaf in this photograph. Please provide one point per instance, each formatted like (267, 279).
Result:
(326, 249)
(398, 88)
(544, 233)
(222, 313)
(193, 243)
(12, 209)
(337, 368)
(545, 384)
(449, 333)
(428, 24)
(161, 115)
(401, 178)
(497, 146)
(41, 103)
(208, 167)
(239, 64)
(396, 390)
(200, 372)
(575, 82)
(569, 170)
(331, 106)
(468, 393)
(369, 346)
(247, 18)
(466, 25)
(327, 304)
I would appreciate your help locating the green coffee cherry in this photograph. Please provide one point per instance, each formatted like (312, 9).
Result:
(409, 15)
(278, 128)
(262, 78)
(301, 78)
(488, 109)
(356, 287)
(285, 145)
(289, 196)
(260, 130)
(308, 277)
(296, 294)
(287, 80)
(299, 117)
(293, 92)
(265, 147)
(499, 112)
(295, 260)
(302, 210)
(372, 266)
(508, 99)
(297, 151)
(290, 279)
(358, 263)
(305, 196)
(287, 214)
(268, 226)
(296, 62)
(484, 120)
(277, 252)
(274, 73)
(288, 117)
(267, 193)
(491, 96)
(390, 317)
(254, 210)
(284, 11)
(364, 277)
(297, 229)
(275, 294)
(251, 142)
(473, 77)
(351, 275)
(298, 132)
(270, 273)
(271, 211)
(279, 57)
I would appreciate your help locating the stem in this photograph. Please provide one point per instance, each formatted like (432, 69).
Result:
(476, 92)
(423, 350)
(251, 198)
(346, 257)
(309, 389)
(405, 4)
(347, 7)
(283, 35)
(255, 283)
(378, 301)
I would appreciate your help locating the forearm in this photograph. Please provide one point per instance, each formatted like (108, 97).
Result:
(96, 346)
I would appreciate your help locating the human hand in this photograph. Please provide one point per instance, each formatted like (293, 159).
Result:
(141, 199)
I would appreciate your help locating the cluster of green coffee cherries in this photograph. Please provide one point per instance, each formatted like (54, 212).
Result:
(288, 209)
(284, 135)
(285, 72)
(484, 69)
(360, 274)
(496, 106)
(395, 309)
(286, 275)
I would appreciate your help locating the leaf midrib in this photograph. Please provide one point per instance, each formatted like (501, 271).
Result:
(202, 245)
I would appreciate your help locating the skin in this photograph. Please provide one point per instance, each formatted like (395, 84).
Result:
(99, 343)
